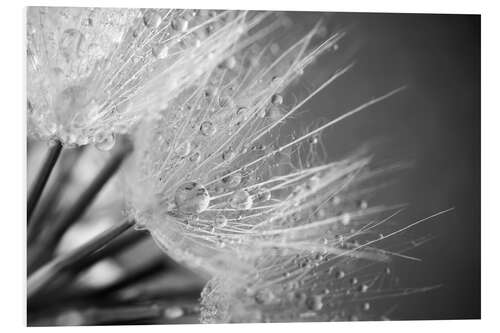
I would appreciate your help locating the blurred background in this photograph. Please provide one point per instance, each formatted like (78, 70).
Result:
(434, 124)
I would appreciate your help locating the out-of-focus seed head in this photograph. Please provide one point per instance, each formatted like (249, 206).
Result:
(96, 72)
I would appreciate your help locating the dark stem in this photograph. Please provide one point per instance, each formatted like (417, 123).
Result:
(139, 274)
(43, 175)
(43, 276)
(50, 199)
(61, 288)
(54, 235)
(128, 239)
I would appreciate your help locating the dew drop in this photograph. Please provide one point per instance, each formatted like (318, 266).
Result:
(71, 44)
(191, 198)
(345, 218)
(207, 128)
(277, 99)
(264, 195)
(225, 101)
(274, 113)
(242, 113)
(180, 24)
(229, 63)
(228, 155)
(94, 50)
(160, 51)
(183, 149)
(339, 274)
(312, 183)
(173, 312)
(195, 157)
(105, 142)
(233, 179)
(264, 296)
(362, 204)
(314, 303)
(363, 288)
(70, 101)
(220, 221)
(313, 140)
(152, 19)
(241, 200)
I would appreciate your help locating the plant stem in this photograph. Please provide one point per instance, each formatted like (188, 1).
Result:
(43, 176)
(50, 242)
(59, 289)
(52, 195)
(39, 279)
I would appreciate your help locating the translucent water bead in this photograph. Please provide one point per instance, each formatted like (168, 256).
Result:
(191, 198)
(207, 128)
(241, 200)
(105, 142)
(152, 19)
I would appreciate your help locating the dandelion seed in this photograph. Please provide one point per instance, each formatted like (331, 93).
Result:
(104, 70)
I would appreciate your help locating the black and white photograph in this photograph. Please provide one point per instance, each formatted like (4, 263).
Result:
(213, 166)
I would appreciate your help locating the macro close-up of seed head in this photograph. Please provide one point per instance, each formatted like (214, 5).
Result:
(227, 147)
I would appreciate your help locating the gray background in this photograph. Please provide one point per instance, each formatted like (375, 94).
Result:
(435, 123)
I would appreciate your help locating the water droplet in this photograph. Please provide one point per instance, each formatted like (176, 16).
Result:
(225, 101)
(277, 99)
(336, 200)
(320, 213)
(160, 51)
(312, 183)
(173, 312)
(104, 141)
(313, 140)
(242, 113)
(180, 24)
(228, 155)
(183, 149)
(366, 306)
(152, 19)
(71, 44)
(345, 218)
(195, 157)
(274, 113)
(233, 179)
(220, 221)
(264, 296)
(264, 195)
(363, 288)
(207, 128)
(69, 102)
(362, 204)
(241, 200)
(191, 198)
(339, 274)
(315, 302)
(229, 63)
(95, 51)
(210, 92)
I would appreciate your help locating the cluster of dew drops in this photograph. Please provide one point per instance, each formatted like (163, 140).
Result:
(138, 35)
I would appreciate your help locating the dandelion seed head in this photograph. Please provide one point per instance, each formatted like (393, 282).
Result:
(261, 212)
(97, 72)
